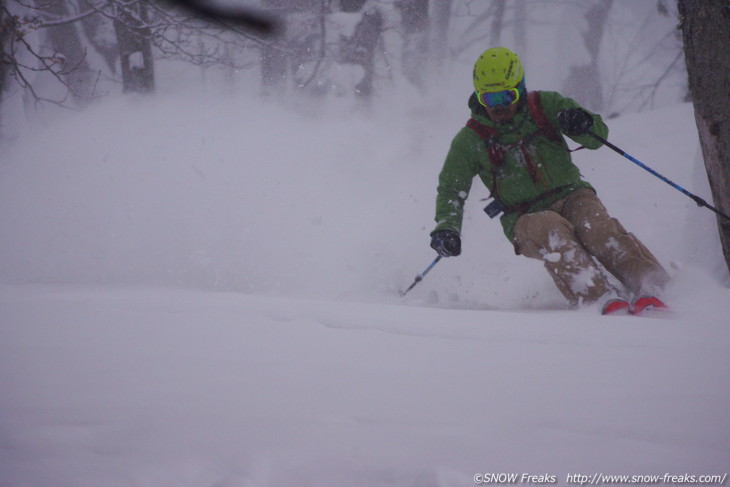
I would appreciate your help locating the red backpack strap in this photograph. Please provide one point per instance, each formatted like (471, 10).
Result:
(494, 150)
(483, 131)
(543, 123)
(488, 134)
(540, 118)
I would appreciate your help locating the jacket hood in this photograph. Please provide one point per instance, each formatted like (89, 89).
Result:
(476, 107)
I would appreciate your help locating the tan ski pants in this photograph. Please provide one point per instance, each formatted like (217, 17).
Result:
(574, 231)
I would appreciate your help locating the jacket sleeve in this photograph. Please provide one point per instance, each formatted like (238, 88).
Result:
(455, 179)
(553, 103)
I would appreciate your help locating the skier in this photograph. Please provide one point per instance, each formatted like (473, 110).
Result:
(514, 143)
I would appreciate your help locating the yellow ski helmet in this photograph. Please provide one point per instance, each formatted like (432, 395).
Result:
(497, 69)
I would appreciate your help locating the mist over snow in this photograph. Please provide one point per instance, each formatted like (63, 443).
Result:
(248, 195)
(235, 195)
(201, 289)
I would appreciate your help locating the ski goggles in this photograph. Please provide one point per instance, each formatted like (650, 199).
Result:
(501, 98)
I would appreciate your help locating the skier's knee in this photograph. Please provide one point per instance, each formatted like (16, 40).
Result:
(542, 233)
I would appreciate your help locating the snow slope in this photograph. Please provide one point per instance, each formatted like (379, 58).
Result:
(203, 293)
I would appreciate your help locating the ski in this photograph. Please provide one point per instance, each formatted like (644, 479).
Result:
(647, 303)
(619, 306)
(616, 306)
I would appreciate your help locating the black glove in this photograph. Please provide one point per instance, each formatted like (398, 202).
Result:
(447, 243)
(575, 121)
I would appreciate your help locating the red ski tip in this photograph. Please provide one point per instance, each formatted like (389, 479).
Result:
(644, 303)
(615, 306)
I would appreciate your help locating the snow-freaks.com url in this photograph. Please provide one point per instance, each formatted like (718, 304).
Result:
(599, 479)
(667, 478)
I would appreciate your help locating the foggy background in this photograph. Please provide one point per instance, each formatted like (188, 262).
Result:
(615, 57)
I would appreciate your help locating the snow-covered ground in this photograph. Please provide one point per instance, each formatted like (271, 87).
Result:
(203, 292)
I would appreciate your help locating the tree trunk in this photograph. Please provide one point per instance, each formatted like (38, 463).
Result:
(4, 44)
(706, 35)
(274, 53)
(414, 24)
(584, 82)
(135, 48)
(495, 33)
(4, 65)
(95, 29)
(360, 49)
(440, 20)
(520, 22)
(351, 6)
(64, 39)
(274, 63)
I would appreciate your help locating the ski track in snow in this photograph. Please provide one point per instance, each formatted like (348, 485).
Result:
(149, 386)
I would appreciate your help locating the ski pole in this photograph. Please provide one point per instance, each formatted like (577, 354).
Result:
(420, 276)
(697, 199)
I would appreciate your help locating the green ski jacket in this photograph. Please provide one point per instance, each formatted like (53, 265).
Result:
(535, 171)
